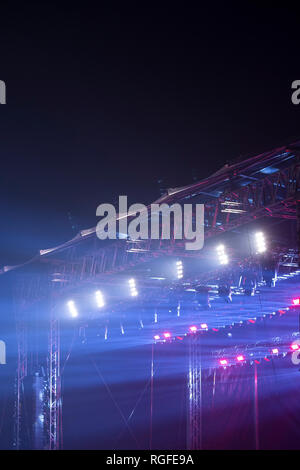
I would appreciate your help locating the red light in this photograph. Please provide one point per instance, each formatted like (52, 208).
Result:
(296, 301)
(240, 358)
(203, 326)
(167, 335)
(295, 347)
(156, 337)
(223, 362)
(275, 351)
(193, 328)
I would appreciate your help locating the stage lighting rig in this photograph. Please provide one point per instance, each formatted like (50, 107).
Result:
(132, 287)
(72, 308)
(260, 242)
(179, 267)
(99, 299)
(223, 362)
(223, 257)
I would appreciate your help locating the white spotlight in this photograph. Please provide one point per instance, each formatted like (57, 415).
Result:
(132, 287)
(223, 258)
(99, 299)
(72, 308)
(260, 242)
(179, 267)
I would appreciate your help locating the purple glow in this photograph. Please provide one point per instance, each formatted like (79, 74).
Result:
(223, 362)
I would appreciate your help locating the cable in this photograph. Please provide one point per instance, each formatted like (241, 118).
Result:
(114, 401)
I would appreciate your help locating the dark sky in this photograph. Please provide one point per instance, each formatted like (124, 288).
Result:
(106, 100)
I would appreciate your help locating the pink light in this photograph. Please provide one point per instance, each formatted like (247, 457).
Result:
(275, 351)
(296, 301)
(167, 335)
(223, 362)
(240, 358)
(193, 328)
(295, 347)
(156, 337)
(203, 326)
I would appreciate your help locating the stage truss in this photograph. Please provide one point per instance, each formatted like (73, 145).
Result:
(264, 186)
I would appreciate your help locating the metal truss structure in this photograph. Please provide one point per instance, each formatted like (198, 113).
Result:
(267, 185)
(48, 395)
(55, 411)
(194, 422)
(19, 405)
(264, 186)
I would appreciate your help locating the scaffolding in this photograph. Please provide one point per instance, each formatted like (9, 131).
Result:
(266, 185)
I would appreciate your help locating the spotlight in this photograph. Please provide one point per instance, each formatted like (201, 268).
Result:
(132, 287)
(296, 301)
(193, 329)
(99, 299)
(240, 358)
(72, 308)
(260, 242)
(156, 337)
(275, 351)
(223, 362)
(223, 258)
(295, 347)
(167, 335)
(204, 326)
(179, 267)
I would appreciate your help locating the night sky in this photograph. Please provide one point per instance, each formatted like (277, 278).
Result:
(107, 100)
